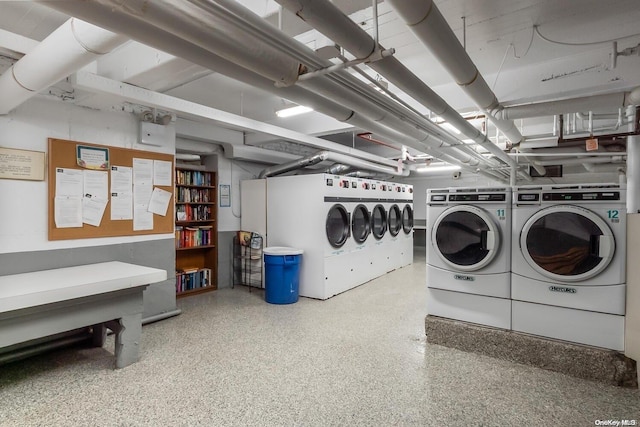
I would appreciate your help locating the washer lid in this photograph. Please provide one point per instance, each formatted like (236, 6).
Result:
(567, 243)
(465, 237)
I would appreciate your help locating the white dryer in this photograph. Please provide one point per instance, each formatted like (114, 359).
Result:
(568, 265)
(400, 225)
(379, 227)
(469, 255)
(316, 213)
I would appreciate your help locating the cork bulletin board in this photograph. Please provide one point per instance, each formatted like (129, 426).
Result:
(63, 154)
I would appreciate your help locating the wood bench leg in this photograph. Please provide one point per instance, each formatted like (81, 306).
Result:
(128, 330)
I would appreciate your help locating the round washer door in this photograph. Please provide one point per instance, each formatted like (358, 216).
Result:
(360, 223)
(407, 219)
(337, 226)
(378, 221)
(395, 220)
(567, 243)
(465, 237)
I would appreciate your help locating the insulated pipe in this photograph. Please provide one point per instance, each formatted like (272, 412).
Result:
(632, 98)
(156, 37)
(246, 20)
(583, 160)
(603, 168)
(329, 20)
(188, 22)
(329, 155)
(70, 47)
(633, 164)
(426, 21)
(541, 109)
(117, 20)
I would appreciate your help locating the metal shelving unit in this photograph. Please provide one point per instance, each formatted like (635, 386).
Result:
(247, 260)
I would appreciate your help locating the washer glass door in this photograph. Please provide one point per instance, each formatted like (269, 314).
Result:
(360, 223)
(378, 221)
(407, 219)
(395, 220)
(465, 238)
(337, 226)
(567, 243)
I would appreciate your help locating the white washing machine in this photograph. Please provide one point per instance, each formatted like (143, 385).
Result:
(316, 213)
(469, 255)
(568, 265)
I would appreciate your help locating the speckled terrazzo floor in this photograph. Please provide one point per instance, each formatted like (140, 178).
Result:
(357, 359)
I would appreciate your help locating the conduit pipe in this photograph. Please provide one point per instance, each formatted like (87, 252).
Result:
(330, 155)
(70, 47)
(329, 20)
(120, 21)
(426, 21)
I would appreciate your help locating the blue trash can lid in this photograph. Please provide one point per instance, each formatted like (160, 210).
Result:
(282, 250)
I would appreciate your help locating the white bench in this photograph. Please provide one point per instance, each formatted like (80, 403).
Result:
(105, 295)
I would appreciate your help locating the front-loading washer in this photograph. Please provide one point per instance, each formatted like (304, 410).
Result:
(568, 263)
(469, 255)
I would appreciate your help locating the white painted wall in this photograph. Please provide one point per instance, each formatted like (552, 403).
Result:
(231, 172)
(23, 204)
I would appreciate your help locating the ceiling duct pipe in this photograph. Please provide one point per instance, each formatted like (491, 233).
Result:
(70, 47)
(426, 21)
(359, 96)
(330, 21)
(190, 22)
(587, 103)
(120, 21)
(336, 157)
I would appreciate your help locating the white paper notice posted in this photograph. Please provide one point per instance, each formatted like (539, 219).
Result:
(159, 202)
(21, 164)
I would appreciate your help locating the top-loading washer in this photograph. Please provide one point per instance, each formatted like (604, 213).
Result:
(568, 262)
(469, 254)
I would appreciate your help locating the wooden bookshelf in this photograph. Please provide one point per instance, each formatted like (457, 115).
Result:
(196, 231)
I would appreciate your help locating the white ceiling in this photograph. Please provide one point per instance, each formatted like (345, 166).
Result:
(519, 65)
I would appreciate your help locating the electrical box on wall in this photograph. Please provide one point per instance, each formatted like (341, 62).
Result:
(153, 134)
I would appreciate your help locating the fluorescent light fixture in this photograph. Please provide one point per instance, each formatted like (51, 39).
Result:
(293, 111)
(438, 169)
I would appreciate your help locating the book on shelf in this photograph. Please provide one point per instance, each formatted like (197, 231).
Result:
(191, 278)
(190, 237)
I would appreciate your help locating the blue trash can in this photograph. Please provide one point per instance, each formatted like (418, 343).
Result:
(282, 274)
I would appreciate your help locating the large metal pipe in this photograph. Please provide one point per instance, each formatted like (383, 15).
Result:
(542, 109)
(148, 34)
(329, 155)
(426, 21)
(359, 98)
(329, 20)
(193, 24)
(70, 47)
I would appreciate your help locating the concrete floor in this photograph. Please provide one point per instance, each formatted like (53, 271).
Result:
(359, 358)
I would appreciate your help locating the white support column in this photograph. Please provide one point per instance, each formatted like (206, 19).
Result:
(633, 165)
